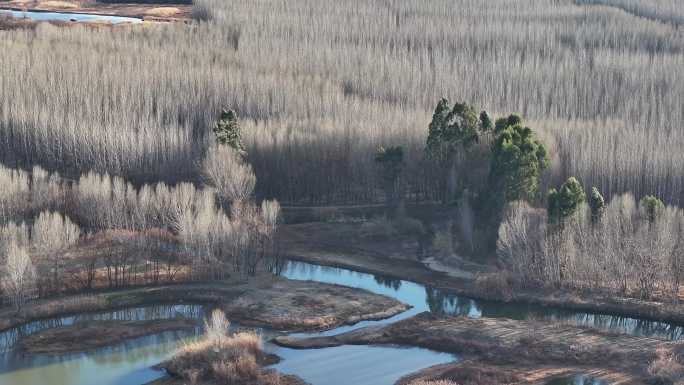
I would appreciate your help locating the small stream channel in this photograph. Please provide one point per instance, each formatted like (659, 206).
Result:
(130, 363)
(65, 16)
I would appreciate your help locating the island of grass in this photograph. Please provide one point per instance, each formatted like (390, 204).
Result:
(221, 358)
(92, 335)
(497, 350)
(264, 301)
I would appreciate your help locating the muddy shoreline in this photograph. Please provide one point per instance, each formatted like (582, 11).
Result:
(410, 268)
(273, 302)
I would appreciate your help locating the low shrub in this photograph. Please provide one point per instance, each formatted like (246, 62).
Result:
(666, 368)
(384, 228)
(378, 228)
(443, 243)
(223, 358)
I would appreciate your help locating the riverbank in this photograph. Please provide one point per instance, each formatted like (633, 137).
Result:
(158, 12)
(264, 300)
(342, 244)
(507, 351)
(88, 336)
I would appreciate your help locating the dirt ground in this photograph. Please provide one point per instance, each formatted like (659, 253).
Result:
(91, 335)
(341, 244)
(508, 351)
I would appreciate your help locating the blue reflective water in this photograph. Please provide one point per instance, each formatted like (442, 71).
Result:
(143, 313)
(358, 365)
(80, 17)
(127, 363)
(130, 363)
(123, 364)
(424, 298)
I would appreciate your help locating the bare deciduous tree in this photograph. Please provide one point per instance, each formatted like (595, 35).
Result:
(225, 170)
(19, 276)
(625, 251)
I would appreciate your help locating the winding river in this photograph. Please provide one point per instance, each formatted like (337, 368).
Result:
(66, 16)
(130, 363)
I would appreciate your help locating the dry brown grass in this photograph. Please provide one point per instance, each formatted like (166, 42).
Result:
(433, 382)
(8, 23)
(223, 358)
(162, 11)
(55, 4)
(666, 368)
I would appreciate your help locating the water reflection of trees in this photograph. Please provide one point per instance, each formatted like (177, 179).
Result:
(629, 325)
(441, 302)
(157, 312)
(391, 283)
(130, 352)
(10, 337)
(310, 271)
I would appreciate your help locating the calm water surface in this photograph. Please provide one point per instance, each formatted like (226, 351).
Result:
(80, 17)
(130, 363)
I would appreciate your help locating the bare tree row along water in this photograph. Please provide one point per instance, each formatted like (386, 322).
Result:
(151, 233)
(624, 250)
(319, 84)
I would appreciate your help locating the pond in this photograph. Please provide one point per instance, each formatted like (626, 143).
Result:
(130, 363)
(61, 16)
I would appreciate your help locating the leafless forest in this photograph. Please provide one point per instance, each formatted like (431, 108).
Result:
(319, 85)
(508, 158)
(164, 233)
(623, 251)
